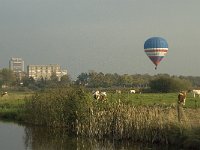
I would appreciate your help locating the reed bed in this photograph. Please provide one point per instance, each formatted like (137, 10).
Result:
(59, 107)
(75, 110)
(136, 123)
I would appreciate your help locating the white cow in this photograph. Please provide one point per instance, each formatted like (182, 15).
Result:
(132, 91)
(99, 95)
(118, 91)
(196, 92)
(103, 95)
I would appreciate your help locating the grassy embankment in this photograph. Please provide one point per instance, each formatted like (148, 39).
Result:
(11, 105)
(151, 118)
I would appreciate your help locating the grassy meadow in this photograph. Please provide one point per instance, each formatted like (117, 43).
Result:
(11, 105)
(165, 99)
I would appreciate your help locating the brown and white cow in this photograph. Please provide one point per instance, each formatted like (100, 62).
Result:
(96, 95)
(4, 94)
(182, 97)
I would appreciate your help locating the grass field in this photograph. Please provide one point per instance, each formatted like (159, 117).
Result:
(11, 105)
(165, 99)
(15, 98)
(191, 108)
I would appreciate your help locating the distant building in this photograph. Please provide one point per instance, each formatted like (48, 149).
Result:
(17, 66)
(45, 71)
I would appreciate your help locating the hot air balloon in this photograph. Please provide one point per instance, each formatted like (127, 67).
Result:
(156, 48)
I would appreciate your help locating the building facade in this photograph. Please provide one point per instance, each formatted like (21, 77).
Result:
(17, 66)
(38, 72)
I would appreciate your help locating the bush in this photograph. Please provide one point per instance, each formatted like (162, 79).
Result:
(169, 84)
(61, 106)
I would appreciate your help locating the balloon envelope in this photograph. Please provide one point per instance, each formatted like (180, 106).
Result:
(156, 48)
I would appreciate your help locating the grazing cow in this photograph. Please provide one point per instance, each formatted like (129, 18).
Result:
(118, 91)
(96, 95)
(132, 91)
(196, 92)
(4, 94)
(182, 97)
(99, 95)
(103, 96)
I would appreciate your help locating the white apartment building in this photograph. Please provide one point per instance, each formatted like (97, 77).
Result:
(17, 66)
(45, 71)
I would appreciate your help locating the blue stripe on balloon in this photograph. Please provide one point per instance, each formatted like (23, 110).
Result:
(155, 42)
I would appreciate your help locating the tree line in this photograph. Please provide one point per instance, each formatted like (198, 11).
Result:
(151, 83)
(93, 79)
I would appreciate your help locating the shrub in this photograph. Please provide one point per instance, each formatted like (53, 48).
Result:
(61, 106)
(169, 84)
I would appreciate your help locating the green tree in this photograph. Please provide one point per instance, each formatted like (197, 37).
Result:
(7, 76)
(27, 81)
(169, 84)
(66, 79)
(82, 79)
(126, 80)
(109, 80)
(54, 77)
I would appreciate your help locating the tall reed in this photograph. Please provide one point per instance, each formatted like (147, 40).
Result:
(138, 123)
(59, 107)
(75, 110)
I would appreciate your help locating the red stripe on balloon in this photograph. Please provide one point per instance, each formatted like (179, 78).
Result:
(157, 50)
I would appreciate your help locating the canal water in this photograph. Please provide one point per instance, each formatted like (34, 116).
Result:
(18, 137)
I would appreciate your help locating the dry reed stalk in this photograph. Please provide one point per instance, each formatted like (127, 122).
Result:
(115, 120)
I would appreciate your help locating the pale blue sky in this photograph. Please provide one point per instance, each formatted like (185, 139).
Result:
(102, 35)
